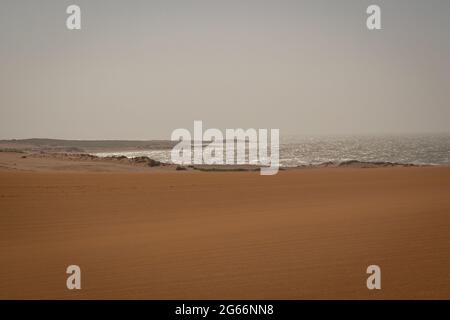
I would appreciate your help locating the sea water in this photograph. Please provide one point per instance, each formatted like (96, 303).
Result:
(419, 149)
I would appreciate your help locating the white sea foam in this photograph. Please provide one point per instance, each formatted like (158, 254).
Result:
(314, 150)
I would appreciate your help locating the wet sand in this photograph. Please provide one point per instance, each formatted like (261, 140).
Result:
(301, 234)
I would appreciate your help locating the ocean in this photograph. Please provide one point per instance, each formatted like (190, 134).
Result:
(424, 149)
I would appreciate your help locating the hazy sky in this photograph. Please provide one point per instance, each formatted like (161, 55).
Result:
(140, 69)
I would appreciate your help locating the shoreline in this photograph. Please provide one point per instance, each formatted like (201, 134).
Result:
(303, 151)
(11, 159)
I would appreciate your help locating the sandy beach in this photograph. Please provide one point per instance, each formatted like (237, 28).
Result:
(225, 150)
(144, 233)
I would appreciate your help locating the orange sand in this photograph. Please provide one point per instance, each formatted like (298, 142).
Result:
(175, 235)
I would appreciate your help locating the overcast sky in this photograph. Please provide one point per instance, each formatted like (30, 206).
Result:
(140, 69)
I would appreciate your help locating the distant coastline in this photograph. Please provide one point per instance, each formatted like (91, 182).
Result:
(300, 152)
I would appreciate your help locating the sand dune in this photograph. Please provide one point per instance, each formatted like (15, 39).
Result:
(299, 234)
